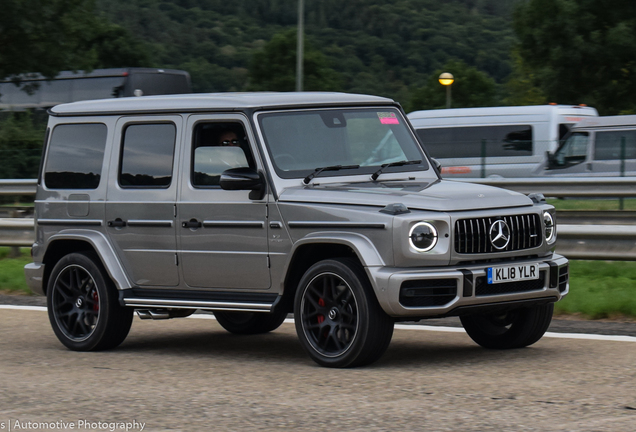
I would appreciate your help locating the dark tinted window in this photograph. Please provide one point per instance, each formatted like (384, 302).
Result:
(158, 83)
(76, 154)
(456, 142)
(608, 145)
(96, 88)
(147, 155)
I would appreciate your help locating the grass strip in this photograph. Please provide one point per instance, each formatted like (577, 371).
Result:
(601, 289)
(592, 204)
(12, 271)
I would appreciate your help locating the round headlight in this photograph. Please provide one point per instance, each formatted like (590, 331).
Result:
(550, 227)
(423, 236)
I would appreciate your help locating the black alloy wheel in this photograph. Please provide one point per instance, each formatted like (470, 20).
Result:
(338, 318)
(247, 323)
(75, 302)
(516, 328)
(83, 304)
(329, 314)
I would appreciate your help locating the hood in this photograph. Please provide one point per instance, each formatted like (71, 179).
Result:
(436, 195)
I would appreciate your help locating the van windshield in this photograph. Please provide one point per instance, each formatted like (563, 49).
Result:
(573, 150)
(359, 140)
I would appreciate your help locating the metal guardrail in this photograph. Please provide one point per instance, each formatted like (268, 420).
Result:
(18, 187)
(588, 187)
(16, 232)
(591, 242)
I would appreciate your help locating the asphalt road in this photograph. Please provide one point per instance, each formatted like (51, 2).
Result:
(191, 375)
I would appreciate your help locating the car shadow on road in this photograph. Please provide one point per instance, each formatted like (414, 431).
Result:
(284, 347)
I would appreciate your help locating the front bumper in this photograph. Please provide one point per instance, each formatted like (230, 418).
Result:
(444, 291)
(34, 273)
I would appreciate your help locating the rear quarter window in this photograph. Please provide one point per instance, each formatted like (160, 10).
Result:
(75, 156)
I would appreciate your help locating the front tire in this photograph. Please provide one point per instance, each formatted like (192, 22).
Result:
(513, 329)
(83, 305)
(247, 323)
(338, 318)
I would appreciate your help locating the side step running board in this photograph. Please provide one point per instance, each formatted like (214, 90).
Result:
(172, 299)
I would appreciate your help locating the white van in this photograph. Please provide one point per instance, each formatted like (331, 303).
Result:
(594, 148)
(496, 141)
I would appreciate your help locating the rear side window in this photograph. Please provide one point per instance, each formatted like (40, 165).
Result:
(76, 155)
(147, 155)
(458, 142)
(608, 145)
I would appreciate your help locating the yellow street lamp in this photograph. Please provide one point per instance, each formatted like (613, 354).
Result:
(446, 79)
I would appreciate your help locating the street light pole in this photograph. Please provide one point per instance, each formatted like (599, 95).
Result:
(446, 79)
(300, 46)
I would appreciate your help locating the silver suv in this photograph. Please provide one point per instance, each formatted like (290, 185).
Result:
(257, 205)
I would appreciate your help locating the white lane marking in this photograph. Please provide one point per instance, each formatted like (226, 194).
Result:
(16, 307)
(584, 336)
(590, 337)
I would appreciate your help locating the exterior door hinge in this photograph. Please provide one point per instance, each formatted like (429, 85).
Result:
(176, 259)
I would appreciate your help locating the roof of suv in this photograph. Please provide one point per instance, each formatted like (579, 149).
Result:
(214, 102)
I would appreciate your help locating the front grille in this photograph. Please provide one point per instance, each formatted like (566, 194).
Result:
(472, 235)
(563, 278)
(482, 288)
(431, 292)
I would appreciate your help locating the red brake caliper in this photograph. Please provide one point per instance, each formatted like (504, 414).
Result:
(321, 318)
(96, 300)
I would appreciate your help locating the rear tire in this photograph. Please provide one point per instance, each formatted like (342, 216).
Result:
(338, 318)
(247, 323)
(83, 305)
(513, 329)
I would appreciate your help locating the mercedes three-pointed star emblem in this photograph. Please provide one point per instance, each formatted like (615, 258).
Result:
(499, 234)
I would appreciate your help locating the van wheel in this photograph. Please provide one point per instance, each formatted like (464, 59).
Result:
(513, 329)
(250, 322)
(83, 305)
(338, 318)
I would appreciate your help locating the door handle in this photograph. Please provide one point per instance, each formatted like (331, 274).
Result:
(117, 223)
(192, 223)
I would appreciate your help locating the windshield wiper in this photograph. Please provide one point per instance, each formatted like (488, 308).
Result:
(328, 168)
(376, 174)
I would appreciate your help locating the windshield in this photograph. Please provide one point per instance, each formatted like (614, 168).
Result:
(361, 140)
(573, 150)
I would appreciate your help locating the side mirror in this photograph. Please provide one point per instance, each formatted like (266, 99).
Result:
(244, 179)
(437, 164)
(549, 157)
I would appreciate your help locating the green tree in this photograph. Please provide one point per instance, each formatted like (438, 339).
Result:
(47, 36)
(274, 67)
(581, 51)
(472, 88)
(20, 145)
(520, 88)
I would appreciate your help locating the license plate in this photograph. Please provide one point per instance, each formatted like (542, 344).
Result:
(512, 273)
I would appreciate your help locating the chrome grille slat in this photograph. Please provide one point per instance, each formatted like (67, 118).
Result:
(472, 234)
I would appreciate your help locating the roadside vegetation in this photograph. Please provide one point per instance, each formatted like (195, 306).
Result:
(592, 204)
(598, 289)
(12, 271)
(601, 289)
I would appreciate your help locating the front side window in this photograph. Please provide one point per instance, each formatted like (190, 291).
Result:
(300, 142)
(607, 145)
(75, 156)
(573, 150)
(216, 147)
(147, 155)
(465, 142)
